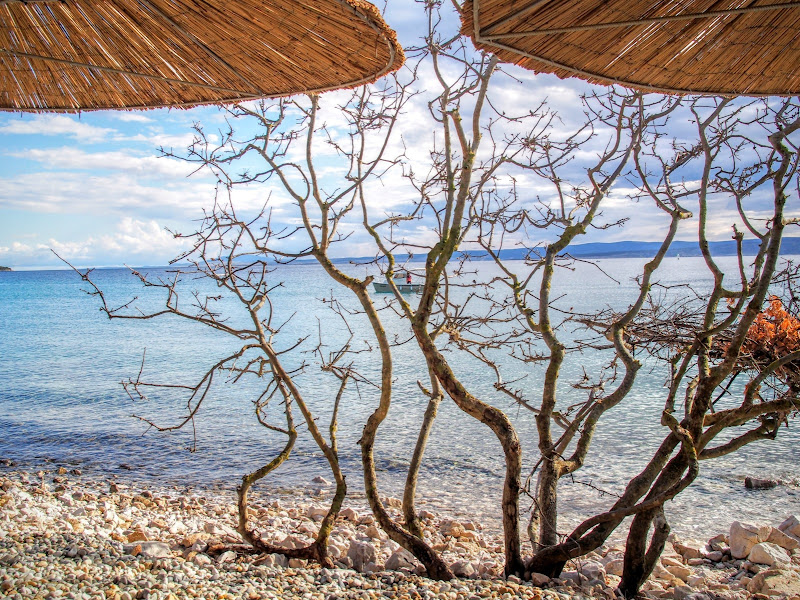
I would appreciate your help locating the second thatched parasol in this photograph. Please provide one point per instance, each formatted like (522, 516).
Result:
(73, 55)
(727, 47)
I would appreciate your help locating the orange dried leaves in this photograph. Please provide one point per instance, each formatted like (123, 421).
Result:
(774, 334)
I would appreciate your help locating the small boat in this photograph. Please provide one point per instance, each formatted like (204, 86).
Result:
(404, 288)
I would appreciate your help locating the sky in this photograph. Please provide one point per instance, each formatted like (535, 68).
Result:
(95, 188)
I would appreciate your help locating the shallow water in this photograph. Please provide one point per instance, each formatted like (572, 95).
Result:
(61, 401)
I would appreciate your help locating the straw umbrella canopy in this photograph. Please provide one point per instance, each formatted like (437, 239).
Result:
(727, 47)
(74, 55)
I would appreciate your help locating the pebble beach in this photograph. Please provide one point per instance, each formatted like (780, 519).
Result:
(65, 535)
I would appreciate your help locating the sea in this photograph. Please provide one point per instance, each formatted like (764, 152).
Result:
(62, 402)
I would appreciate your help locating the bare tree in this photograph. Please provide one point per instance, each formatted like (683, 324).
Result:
(464, 195)
(370, 115)
(470, 194)
(705, 354)
(223, 253)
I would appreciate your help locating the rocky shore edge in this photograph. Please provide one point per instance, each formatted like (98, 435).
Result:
(66, 536)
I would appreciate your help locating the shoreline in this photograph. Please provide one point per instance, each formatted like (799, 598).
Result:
(63, 534)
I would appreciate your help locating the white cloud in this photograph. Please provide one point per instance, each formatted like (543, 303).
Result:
(134, 241)
(120, 160)
(131, 117)
(155, 138)
(56, 125)
(76, 192)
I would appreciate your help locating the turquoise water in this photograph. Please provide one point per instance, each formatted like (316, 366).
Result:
(61, 401)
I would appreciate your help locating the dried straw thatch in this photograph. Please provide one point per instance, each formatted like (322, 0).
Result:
(728, 47)
(71, 55)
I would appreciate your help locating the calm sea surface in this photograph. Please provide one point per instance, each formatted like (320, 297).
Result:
(61, 401)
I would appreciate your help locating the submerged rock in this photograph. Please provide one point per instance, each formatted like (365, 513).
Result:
(753, 483)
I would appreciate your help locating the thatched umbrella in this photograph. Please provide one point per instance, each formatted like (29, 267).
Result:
(728, 47)
(72, 55)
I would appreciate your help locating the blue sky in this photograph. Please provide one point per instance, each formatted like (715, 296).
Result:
(94, 188)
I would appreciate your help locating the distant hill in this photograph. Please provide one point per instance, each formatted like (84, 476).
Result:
(5, 268)
(789, 245)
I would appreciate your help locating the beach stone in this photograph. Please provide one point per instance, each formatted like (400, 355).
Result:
(400, 559)
(743, 536)
(297, 563)
(452, 528)
(371, 567)
(462, 568)
(148, 549)
(319, 480)
(686, 551)
(274, 560)
(316, 513)
(219, 530)
(718, 542)
(539, 580)
(488, 569)
(191, 539)
(682, 592)
(137, 536)
(679, 571)
(695, 581)
(337, 548)
(201, 559)
(591, 569)
(426, 515)
(178, 528)
(349, 514)
(374, 533)
(751, 567)
(392, 502)
(784, 540)
(715, 556)
(660, 572)
(361, 553)
(671, 560)
(291, 541)
(470, 536)
(769, 554)
(227, 556)
(615, 567)
(791, 526)
(775, 582)
(308, 529)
